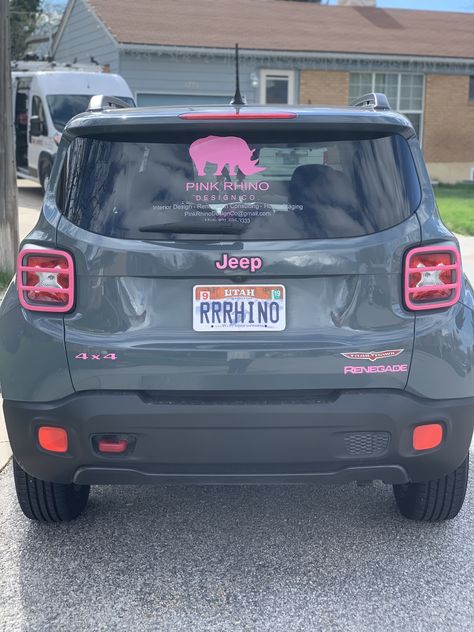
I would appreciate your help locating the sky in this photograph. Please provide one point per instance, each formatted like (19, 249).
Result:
(427, 5)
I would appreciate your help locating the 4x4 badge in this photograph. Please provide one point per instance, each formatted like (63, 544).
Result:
(373, 355)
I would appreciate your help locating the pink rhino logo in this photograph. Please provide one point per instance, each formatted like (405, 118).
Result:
(221, 151)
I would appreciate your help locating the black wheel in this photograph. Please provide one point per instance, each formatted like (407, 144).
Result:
(48, 502)
(436, 500)
(44, 172)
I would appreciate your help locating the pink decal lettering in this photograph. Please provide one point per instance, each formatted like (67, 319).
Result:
(222, 265)
(383, 368)
(255, 264)
(244, 263)
(233, 263)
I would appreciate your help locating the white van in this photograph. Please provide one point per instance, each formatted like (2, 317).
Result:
(45, 97)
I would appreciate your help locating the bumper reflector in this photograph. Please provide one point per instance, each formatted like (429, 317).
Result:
(112, 446)
(53, 439)
(427, 437)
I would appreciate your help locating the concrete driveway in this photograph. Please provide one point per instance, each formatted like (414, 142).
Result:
(223, 559)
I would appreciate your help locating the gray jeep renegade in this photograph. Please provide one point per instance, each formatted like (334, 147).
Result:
(239, 295)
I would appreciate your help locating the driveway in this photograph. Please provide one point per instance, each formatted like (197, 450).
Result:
(222, 559)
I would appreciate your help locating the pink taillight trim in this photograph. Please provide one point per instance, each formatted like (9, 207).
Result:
(456, 286)
(23, 288)
(206, 116)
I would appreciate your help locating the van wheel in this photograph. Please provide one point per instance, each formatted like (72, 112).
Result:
(44, 172)
(48, 502)
(436, 500)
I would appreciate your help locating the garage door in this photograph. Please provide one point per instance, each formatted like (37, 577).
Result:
(144, 99)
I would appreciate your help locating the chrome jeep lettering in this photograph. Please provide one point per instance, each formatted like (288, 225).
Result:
(244, 263)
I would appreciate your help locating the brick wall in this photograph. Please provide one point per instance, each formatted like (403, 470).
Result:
(448, 134)
(319, 87)
(448, 127)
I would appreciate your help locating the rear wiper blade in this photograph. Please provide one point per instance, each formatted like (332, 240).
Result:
(220, 228)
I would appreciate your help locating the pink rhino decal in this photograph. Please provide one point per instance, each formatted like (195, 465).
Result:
(221, 151)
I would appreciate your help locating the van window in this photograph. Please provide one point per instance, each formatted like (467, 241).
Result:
(38, 110)
(64, 106)
(241, 186)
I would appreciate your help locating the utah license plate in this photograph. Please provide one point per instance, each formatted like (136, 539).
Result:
(239, 308)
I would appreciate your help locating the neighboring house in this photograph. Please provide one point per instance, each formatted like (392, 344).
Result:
(176, 51)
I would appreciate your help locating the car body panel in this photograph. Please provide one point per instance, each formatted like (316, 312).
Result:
(135, 300)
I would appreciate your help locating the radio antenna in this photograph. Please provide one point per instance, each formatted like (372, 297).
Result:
(238, 99)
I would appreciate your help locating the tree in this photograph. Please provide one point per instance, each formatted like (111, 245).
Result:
(8, 201)
(24, 16)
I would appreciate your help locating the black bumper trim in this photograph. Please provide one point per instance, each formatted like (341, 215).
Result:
(125, 476)
(222, 440)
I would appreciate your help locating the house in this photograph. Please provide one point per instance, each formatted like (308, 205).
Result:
(176, 51)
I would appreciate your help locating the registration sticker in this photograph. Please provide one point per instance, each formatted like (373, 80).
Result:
(239, 307)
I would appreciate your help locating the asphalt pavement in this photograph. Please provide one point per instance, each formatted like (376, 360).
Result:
(237, 558)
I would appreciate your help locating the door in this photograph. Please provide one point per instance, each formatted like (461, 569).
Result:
(176, 234)
(277, 86)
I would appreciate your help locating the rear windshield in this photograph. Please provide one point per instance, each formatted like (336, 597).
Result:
(240, 186)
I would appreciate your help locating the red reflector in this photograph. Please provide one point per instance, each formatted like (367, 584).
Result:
(427, 437)
(45, 280)
(226, 116)
(433, 277)
(115, 446)
(53, 439)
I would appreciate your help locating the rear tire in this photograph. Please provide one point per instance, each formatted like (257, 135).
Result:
(48, 502)
(436, 500)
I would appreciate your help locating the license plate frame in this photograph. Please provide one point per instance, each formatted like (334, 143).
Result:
(270, 317)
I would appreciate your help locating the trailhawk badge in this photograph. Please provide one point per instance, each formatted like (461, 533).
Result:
(373, 355)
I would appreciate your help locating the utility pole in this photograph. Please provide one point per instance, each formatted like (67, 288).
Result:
(8, 193)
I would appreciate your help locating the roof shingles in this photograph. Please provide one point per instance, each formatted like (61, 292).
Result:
(288, 26)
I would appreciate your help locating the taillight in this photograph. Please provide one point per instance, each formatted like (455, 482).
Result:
(433, 277)
(45, 280)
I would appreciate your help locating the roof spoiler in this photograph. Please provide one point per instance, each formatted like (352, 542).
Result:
(375, 100)
(101, 102)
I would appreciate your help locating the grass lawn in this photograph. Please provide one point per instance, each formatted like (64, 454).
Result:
(456, 206)
(4, 280)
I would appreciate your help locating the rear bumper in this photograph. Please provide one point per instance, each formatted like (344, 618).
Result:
(242, 438)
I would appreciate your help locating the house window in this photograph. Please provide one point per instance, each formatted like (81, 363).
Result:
(471, 88)
(404, 92)
(277, 86)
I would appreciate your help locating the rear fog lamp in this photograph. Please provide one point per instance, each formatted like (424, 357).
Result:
(111, 445)
(427, 436)
(53, 439)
